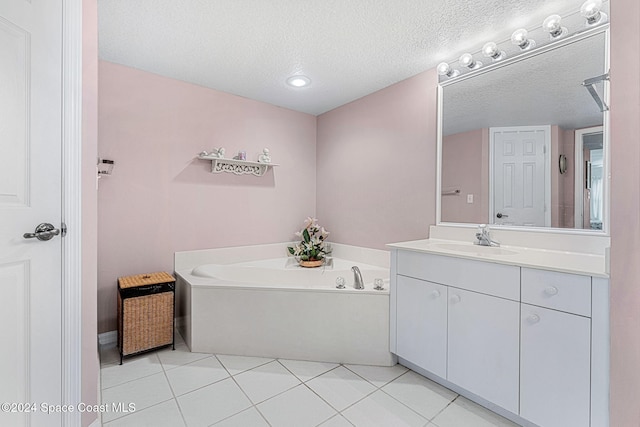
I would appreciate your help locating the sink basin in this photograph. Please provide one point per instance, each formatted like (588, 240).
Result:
(475, 249)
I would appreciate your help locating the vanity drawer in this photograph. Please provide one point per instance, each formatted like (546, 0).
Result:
(485, 277)
(559, 291)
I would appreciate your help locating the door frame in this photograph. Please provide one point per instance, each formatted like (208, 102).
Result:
(579, 171)
(72, 208)
(547, 168)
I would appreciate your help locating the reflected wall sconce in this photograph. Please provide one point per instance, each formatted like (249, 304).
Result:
(562, 164)
(466, 60)
(520, 39)
(553, 26)
(591, 10)
(445, 69)
(491, 50)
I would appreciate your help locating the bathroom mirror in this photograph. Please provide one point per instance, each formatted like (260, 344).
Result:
(523, 143)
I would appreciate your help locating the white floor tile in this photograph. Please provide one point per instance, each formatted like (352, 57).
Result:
(249, 418)
(164, 414)
(382, 410)
(200, 373)
(337, 421)
(298, 407)
(237, 364)
(306, 370)
(341, 387)
(171, 359)
(212, 403)
(420, 394)
(143, 392)
(378, 375)
(464, 413)
(131, 369)
(266, 381)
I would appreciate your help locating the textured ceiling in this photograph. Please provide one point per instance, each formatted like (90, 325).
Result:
(348, 48)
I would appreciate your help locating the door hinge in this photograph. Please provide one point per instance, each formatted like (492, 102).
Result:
(63, 229)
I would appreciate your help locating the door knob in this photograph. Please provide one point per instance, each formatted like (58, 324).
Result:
(44, 232)
(501, 215)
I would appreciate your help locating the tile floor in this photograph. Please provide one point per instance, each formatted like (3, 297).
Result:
(180, 388)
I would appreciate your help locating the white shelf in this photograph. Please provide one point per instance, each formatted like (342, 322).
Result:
(238, 167)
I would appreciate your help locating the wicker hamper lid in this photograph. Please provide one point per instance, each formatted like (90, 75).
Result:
(145, 279)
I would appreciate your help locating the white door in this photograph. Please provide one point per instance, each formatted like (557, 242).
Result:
(422, 324)
(483, 346)
(555, 366)
(30, 194)
(521, 182)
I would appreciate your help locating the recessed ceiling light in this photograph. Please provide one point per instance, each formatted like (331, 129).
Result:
(298, 81)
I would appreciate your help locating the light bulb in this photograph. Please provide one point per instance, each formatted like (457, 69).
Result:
(466, 60)
(491, 50)
(519, 38)
(591, 11)
(445, 69)
(552, 25)
(298, 81)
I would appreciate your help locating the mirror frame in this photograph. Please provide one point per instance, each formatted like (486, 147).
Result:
(605, 123)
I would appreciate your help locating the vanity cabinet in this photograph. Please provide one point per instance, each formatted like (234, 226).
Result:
(555, 365)
(459, 319)
(555, 348)
(530, 343)
(422, 323)
(483, 341)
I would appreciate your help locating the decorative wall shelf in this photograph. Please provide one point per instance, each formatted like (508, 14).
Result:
(238, 167)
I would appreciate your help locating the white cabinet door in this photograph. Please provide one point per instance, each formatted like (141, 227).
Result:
(421, 333)
(483, 346)
(555, 367)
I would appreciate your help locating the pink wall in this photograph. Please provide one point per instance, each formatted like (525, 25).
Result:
(625, 212)
(465, 166)
(376, 161)
(90, 364)
(162, 199)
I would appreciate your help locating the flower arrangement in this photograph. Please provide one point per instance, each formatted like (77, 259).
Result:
(312, 247)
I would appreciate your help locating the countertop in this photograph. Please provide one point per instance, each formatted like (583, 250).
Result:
(546, 259)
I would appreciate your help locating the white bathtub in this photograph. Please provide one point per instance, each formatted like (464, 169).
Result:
(274, 308)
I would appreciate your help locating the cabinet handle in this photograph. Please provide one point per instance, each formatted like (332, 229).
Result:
(455, 298)
(435, 294)
(533, 318)
(551, 291)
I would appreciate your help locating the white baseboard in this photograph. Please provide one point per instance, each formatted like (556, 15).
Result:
(108, 338)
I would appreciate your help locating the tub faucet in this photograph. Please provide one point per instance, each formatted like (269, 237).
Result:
(484, 237)
(357, 278)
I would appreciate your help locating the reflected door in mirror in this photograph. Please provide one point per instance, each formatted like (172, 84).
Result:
(520, 176)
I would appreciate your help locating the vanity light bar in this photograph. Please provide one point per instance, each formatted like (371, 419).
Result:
(588, 17)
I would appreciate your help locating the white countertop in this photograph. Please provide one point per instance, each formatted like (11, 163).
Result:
(546, 259)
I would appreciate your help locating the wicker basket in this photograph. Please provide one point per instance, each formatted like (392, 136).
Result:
(145, 312)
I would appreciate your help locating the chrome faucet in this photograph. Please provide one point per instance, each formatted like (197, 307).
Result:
(484, 237)
(357, 278)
